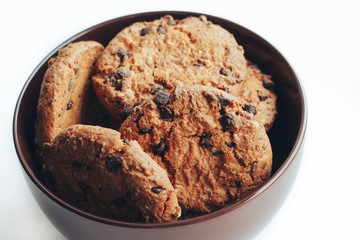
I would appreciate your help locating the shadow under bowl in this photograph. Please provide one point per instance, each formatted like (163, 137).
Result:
(242, 219)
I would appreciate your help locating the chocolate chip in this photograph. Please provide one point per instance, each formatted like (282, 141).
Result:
(250, 109)
(122, 53)
(217, 153)
(199, 63)
(122, 73)
(205, 140)
(223, 102)
(171, 22)
(131, 166)
(119, 202)
(227, 122)
(240, 160)
(160, 30)
(145, 30)
(263, 98)
(267, 83)
(166, 112)
(119, 85)
(162, 98)
(222, 111)
(157, 190)
(238, 184)
(160, 148)
(125, 113)
(140, 115)
(112, 163)
(76, 71)
(225, 71)
(155, 88)
(114, 83)
(69, 105)
(231, 144)
(144, 130)
(111, 78)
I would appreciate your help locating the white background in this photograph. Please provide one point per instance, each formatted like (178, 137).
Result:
(321, 39)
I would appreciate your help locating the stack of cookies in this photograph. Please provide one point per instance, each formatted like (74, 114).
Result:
(169, 121)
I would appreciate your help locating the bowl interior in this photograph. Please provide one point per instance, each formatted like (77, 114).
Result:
(291, 105)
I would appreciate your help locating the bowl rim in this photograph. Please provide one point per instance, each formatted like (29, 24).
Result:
(274, 177)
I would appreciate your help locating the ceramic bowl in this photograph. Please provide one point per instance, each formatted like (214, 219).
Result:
(242, 219)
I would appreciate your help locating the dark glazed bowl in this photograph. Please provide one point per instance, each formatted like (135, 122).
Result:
(240, 220)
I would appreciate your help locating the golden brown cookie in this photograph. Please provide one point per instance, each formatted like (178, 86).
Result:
(93, 169)
(66, 95)
(210, 144)
(257, 89)
(149, 185)
(160, 55)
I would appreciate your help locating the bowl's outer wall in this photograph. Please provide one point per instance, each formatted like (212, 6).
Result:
(286, 137)
(243, 222)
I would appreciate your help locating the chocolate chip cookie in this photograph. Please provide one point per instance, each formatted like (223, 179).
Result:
(66, 95)
(208, 140)
(150, 56)
(93, 169)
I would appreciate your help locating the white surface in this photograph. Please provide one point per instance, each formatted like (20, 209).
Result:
(320, 38)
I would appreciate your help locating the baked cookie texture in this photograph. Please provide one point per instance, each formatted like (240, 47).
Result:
(210, 144)
(191, 111)
(166, 53)
(149, 186)
(92, 168)
(66, 95)
(163, 54)
(257, 89)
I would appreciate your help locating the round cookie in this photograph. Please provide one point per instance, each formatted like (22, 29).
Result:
(66, 95)
(210, 144)
(160, 55)
(93, 169)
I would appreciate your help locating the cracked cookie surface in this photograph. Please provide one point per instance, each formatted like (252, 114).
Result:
(163, 54)
(92, 168)
(213, 149)
(66, 95)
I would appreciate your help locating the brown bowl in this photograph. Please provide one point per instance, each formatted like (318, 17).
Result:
(242, 219)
